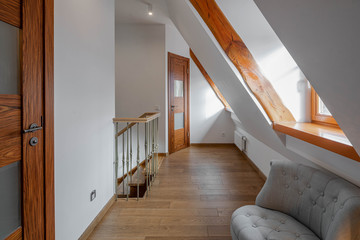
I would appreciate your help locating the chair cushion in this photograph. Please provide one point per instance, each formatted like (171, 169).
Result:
(256, 223)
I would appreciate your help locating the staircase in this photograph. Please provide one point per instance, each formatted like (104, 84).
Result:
(127, 187)
(135, 182)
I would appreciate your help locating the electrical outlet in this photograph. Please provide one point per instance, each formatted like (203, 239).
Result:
(157, 108)
(92, 195)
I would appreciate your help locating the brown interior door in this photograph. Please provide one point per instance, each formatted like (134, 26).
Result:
(179, 129)
(22, 166)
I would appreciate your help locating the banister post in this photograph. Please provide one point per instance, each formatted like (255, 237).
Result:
(116, 156)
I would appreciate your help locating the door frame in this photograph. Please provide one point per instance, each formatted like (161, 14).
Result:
(49, 154)
(187, 100)
(36, 20)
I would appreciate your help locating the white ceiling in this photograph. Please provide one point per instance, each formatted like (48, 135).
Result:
(136, 12)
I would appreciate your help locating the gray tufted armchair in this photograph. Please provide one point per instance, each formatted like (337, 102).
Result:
(302, 203)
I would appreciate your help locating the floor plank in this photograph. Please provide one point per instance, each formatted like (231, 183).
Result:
(195, 192)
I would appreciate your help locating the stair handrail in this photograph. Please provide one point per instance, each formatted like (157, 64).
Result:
(144, 118)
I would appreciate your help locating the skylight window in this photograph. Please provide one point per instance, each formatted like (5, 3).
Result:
(319, 112)
(323, 109)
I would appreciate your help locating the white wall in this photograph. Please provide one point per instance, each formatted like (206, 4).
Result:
(84, 108)
(209, 121)
(140, 72)
(258, 152)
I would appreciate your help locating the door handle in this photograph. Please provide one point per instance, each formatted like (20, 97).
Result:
(33, 128)
(172, 107)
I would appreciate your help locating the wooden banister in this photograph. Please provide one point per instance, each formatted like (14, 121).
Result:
(144, 118)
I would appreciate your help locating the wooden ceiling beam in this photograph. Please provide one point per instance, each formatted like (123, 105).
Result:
(210, 81)
(243, 60)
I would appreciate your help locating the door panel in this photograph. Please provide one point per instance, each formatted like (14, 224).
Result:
(10, 129)
(178, 102)
(10, 200)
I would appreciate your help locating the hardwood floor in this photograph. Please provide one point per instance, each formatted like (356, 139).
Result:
(192, 198)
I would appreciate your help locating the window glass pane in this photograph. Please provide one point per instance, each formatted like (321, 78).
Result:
(9, 59)
(178, 121)
(178, 88)
(323, 109)
(10, 199)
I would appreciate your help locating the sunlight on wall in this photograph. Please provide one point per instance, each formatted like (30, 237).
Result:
(212, 105)
(289, 82)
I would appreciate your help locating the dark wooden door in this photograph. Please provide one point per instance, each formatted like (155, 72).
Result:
(179, 128)
(22, 107)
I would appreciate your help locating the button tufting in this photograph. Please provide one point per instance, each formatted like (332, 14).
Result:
(296, 178)
(286, 186)
(342, 205)
(322, 193)
(300, 193)
(314, 203)
(284, 173)
(264, 218)
(254, 226)
(308, 186)
(297, 235)
(335, 199)
(282, 221)
(332, 218)
(324, 210)
(248, 215)
(277, 229)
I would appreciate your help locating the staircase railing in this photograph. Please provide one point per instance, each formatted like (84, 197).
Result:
(150, 120)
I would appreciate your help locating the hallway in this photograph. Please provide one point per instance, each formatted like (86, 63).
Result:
(192, 198)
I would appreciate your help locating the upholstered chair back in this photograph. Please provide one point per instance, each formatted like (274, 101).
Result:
(324, 202)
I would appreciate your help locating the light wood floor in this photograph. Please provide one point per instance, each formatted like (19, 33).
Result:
(192, 198)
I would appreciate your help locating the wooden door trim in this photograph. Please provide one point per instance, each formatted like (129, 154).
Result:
(49, 119)
(10, 12)
(187, 99)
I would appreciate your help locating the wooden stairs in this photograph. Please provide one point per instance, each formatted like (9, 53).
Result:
(128, 185)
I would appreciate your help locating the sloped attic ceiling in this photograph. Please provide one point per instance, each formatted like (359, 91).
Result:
(323, 37)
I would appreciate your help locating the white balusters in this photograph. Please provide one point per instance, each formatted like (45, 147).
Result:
(116, 154)
(138, 162)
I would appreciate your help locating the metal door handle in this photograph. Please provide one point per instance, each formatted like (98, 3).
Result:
(172, 107)
(33, 128)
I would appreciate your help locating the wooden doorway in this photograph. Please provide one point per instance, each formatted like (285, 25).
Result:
(178, 92)
(26, 120)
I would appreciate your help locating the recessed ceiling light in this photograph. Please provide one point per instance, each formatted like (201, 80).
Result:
(150, 12)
